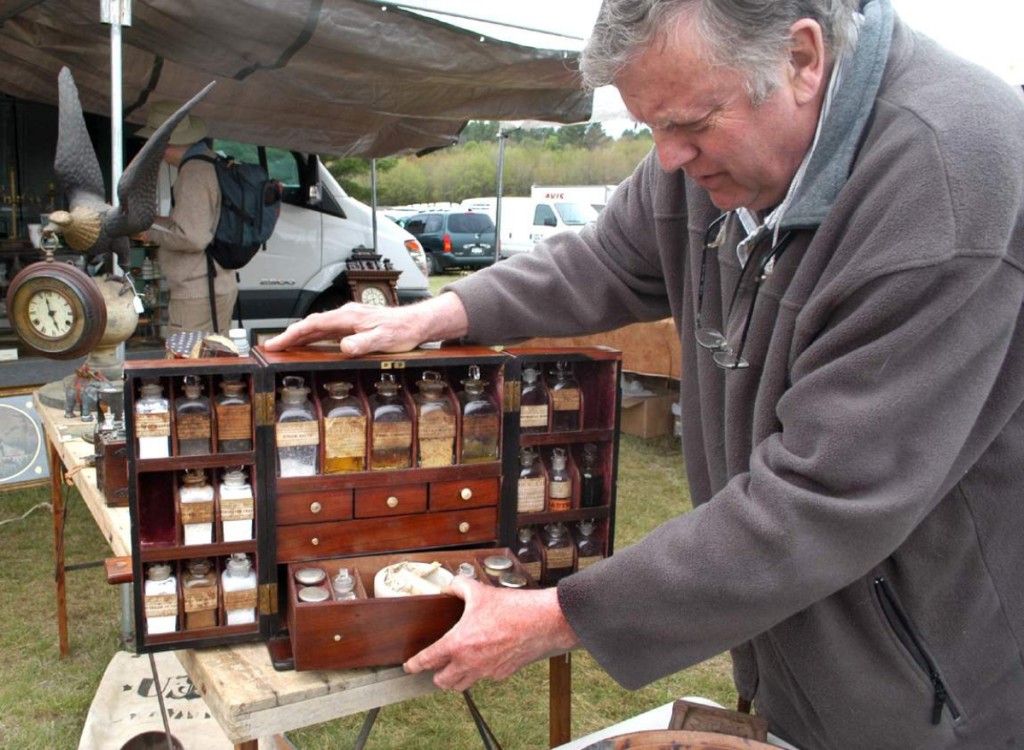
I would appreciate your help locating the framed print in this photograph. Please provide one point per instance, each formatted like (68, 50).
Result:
(23, 457)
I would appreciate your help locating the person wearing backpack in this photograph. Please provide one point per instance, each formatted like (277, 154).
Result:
(184, 236)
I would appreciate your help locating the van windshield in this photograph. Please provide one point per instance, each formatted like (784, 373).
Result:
(576, 214)
(470, 223)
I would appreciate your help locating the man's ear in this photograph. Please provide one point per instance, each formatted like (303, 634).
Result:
(807, 68)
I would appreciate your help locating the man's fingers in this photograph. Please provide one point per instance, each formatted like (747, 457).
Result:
(432, 658)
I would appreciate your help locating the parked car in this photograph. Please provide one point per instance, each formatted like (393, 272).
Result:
(455, 239)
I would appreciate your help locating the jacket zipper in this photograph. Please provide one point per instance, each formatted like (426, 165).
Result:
(900, 624)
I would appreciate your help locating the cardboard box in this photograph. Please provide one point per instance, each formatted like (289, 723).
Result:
(648, 416)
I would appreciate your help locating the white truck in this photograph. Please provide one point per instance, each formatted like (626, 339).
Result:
(301, 268)
(527, 221)
(596, 195)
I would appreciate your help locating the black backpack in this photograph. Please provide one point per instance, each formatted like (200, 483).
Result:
(250, 203)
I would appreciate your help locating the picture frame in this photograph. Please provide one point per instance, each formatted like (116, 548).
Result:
(24, 459)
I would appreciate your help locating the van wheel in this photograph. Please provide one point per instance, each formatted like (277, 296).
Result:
(435, 265)
(330, 299)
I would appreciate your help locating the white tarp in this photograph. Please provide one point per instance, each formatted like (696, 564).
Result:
(345, 77)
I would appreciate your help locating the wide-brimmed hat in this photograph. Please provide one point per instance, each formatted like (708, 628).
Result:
(189, 130)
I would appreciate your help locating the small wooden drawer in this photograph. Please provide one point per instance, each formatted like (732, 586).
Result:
(314, 507)
(400, 500)
(473, 493)
(368, 632)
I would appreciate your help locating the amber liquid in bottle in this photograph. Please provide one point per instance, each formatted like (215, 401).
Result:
(566, 399)
(193, 419)
(344, 430)
(391, 429)
(435, 419)
(480, 420)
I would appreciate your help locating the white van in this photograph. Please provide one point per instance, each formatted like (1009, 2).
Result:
(301, 268)
(527, 221)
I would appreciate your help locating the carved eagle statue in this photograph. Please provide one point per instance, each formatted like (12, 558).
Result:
(92, 225)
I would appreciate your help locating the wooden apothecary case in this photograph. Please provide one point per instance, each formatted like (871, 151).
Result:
(367, 515)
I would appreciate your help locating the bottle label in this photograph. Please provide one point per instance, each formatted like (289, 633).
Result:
(586, 562)
(387, 435)
(193, 426)
(236, 510)
(484, 425)
(436, 452)
(297, 433)
(560, 488)
(437, 426)
(161, 605)
(345, 437)
(197, 512)
(533, 416)
(559, 557)
(200, 597)
(565, 399)
(243, 599)
(234, 422)
(533, 568)
(153, 425)
(559, 504)
(531, 495)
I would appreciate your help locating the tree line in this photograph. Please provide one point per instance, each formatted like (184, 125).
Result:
(569, 155)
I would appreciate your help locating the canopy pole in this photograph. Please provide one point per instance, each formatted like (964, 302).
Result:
(502, 137)
(373, 200)
(117, 13)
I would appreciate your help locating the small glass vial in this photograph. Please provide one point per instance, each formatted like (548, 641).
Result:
(192, 419)
(195, 507)
(153, 421)
(391, 428)
(296, 431)
(588, 545)
(533, 403)
(344, 429)
(527, 553)
(435, 421)
(531, 490)
(558, 553)
(344, 585)
(237, 506)
(239, 583)
(560, 482)
(467, 570)
(233, 409)
(591, 479)
(481, 420)
(160, 599)
(240, 338)
(199, 595)
(566, 399)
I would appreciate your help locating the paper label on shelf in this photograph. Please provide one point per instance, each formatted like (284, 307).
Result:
(161, 605)
(483, 425)
(560, 489)
(197, 511)
(437, 452)
(244, 599)
(533, 416)
(531, 495)
(236, 510)
(559, 557)
(297, 433)
(437, 426)
(533, 568)
(200, 598)
(392, 435)
(193, 426)
(153, 425)
(565, 399)
(586, 562)
(344, 436)
(234, 422)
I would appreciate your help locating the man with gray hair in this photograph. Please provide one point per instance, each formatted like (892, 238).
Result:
(833, 215)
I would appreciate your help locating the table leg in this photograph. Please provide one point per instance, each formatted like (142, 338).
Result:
(57, 501)
(560, 699)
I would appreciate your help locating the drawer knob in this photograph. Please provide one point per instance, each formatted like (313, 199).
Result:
(392, 502)
(337, 637)
(464, 527)
(315, 541)
(466, 493)
(315, 507)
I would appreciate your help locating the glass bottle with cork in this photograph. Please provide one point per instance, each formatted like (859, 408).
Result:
(239, 583)
(559, 553)
(527, 553)
(192, 419)
(588, 545)
(533, 403)
(153, 421)
(160, 599)
(531, 493)
(566, 399)
(560, 482)
(296, 431)
(481, 420)
(199, 595)
(344, 585)
(435, 421)
(591, 478)
(344, 429)
(390, 428)
(237, 506)
(195, 507)
(233, 410)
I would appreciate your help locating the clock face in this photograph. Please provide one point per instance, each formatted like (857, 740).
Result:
(371, 295)
(56, 310)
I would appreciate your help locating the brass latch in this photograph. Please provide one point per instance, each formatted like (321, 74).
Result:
(264, 409)
(268, 599)
(512, 389)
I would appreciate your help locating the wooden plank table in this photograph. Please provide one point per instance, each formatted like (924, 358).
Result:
(247, 696)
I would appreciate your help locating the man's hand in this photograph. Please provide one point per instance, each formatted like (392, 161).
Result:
(500, 632)
(368, 328)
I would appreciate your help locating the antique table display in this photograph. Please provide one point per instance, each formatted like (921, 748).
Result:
(270, 494)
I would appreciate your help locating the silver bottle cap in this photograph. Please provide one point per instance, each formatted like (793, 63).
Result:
(497, 563)
(313, 594)
(513, 580)
(309, 576)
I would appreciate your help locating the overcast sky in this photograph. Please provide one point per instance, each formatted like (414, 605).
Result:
(986, 31)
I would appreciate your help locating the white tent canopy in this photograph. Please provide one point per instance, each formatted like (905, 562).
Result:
(344, 77)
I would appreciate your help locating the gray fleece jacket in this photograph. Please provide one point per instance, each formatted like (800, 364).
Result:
(859, 535)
